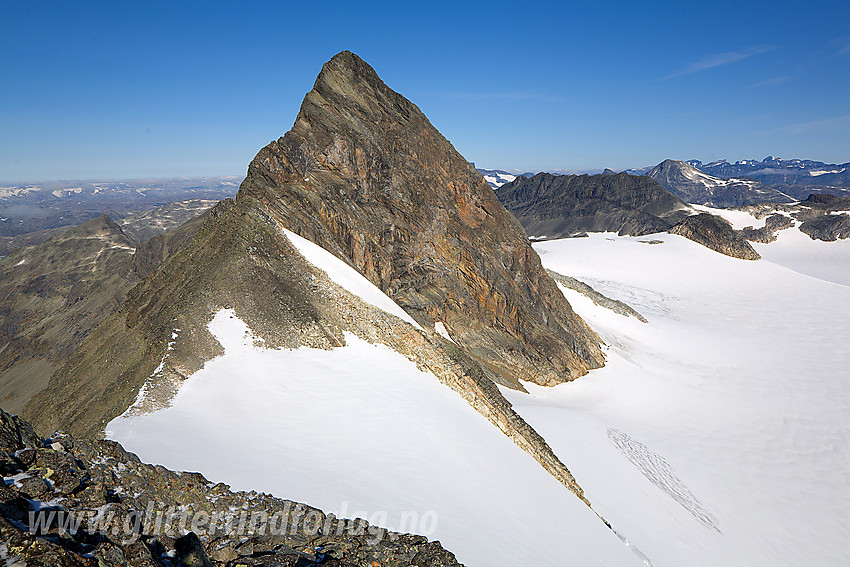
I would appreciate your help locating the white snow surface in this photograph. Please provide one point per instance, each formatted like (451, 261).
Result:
(360, 430)
(739, 219)
(499, 179)
(719, 432)
(347, 277)
(794, 249)
(440, 327)
(797, 251)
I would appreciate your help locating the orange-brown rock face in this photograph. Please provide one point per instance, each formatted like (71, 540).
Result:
(365, 175)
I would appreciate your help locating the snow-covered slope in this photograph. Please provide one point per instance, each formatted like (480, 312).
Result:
(496, 177)
(828, 261)
(347, 277)
(360, 431)
(717, 434)
(793, 249)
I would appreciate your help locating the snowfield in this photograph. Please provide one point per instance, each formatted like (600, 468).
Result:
(793, 249)
(718, 433)
(361, 432)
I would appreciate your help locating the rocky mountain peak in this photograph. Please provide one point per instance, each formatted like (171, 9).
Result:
(345, 74)
(102, 226)
(694, 186)
(365, 175)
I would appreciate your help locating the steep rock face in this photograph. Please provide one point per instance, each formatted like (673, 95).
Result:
(715, 233)
(364, 174)
(693, 186)
(557, 206)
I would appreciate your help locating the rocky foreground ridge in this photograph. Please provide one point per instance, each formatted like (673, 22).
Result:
(89, 503)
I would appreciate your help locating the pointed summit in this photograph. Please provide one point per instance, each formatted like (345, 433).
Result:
(697, 187)
(365, 175)
(346, 68)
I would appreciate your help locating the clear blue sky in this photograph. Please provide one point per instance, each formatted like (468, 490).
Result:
(127, 89)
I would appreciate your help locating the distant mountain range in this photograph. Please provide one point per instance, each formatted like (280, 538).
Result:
(28, 207)
(723, 184)
(497, 177)
(557, 206)
(694, 186)
(775, 170)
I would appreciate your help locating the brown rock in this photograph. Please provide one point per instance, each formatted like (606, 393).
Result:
(715, 233)
(364, 174)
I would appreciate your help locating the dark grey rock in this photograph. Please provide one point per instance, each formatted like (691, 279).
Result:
(693, 186)
(125, 531)
(715, 233)
(561, 206)
(15, 434)
(190, 552)
(614, 305)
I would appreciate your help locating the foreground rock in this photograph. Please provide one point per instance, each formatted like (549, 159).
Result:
(80, 502)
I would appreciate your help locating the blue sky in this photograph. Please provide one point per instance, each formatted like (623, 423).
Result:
(128, 90)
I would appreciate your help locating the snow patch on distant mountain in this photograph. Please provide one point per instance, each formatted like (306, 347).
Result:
(697, 187)
(496, 177)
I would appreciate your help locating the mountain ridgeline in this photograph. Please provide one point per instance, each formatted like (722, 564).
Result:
(694, 186)
(555, 206)
(560, 206)
(363, 174)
